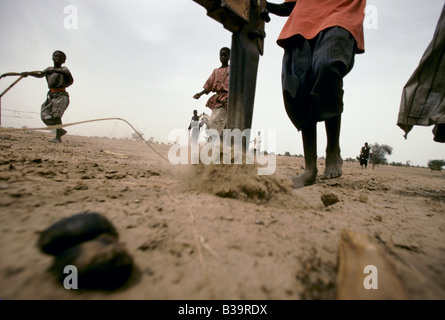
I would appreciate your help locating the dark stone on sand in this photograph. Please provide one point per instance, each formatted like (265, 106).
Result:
(89, 242)
(329, 199)
(74, 230)
(102, 264)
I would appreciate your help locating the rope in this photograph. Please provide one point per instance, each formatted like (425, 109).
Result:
(9, 88)
(20, 75)
(80, 122)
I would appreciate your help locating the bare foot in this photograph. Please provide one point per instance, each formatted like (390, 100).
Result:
(334, 164)
(307, 178)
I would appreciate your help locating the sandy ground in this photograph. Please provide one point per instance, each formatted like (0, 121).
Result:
(236, 236)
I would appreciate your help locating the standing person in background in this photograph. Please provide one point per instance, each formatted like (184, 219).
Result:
(57, 101)
(194, 127)
(320, 39)
(364, 155)
(218, 82)
(257, 144)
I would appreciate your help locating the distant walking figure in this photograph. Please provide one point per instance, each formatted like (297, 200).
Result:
(257, 144)
(364, 155)
(194, 127)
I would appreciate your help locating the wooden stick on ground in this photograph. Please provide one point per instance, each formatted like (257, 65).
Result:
(356, 251)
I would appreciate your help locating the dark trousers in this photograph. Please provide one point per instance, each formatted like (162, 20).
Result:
(312, 75)
(52, 121)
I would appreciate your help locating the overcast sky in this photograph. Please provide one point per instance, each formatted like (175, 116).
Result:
(143, 60)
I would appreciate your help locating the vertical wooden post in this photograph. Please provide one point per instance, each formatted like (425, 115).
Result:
(245, 19)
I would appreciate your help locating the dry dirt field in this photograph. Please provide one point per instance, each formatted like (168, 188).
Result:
(197, 233)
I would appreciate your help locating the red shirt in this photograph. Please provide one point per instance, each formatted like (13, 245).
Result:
(309, 17)
(218, 82)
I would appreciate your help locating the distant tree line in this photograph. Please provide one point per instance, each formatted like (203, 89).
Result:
(436, 165)
(378, 157)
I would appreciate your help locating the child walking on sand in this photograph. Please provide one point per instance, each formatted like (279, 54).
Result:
(320, 39)
(57, 101)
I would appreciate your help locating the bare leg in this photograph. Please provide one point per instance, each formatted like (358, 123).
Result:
(59, 132)
(307, 178)
(334, 162)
